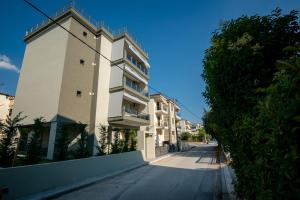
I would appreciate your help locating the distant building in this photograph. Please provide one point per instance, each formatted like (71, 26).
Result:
(6, 106)
(185, 126)
(164, 115)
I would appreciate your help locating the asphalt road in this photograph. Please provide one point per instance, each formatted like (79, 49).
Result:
(188, 175)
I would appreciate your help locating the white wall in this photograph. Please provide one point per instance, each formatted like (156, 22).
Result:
(40, 79)
(115, 104)
(103, 82)
(60, 176)
(117, 49)
(116, 76)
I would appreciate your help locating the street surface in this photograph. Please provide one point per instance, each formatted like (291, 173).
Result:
(187, 175)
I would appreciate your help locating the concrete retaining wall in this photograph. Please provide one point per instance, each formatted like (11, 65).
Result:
(29, 180)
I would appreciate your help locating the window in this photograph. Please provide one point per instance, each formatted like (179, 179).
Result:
(84, 34)
(10, 112)
(81, 61)
(78, 93)
(173, 121)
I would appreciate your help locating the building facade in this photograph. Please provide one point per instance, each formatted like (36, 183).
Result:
(185, 126)
(164, 115)
(6, 106)
(65, 80)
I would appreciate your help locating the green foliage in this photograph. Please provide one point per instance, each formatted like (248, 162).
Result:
(62, 144)
(252, 76)
(133, 140)
(117, 144)
(185, 136)
(201, 136)
(82, 150)
(104, 132)
(126, 140)
(8, 131)
(34, 149)
(196, 137)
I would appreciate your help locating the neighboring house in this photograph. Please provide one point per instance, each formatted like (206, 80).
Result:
(185, 125)
(65, 81)
(195, 128)
(6, 106)
(163, 119)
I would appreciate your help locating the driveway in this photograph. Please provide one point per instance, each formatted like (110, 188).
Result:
(188, 175)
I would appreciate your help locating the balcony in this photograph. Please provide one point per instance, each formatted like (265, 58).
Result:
(138, 65)
(161, 125)
(134, 113)
(130, 118)
(161, 109)
(178, 117)
(136, 87)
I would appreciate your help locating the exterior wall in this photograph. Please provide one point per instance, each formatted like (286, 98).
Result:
(117, 49)
(162, 133)
(6, 104)
(43, 177)
(172, 124)
(115, 104)
(40, 79)
(116, 79)
(78, 76)
(103, 82)
(52, 74)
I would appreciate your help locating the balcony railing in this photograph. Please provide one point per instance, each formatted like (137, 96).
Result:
(137, 88)
(134, 113)
(137, 64)
(162, 107)
(160, 123)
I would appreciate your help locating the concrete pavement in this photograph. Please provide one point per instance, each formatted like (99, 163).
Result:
(187, 175)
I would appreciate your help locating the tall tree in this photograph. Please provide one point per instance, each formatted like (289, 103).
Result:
(8, 144)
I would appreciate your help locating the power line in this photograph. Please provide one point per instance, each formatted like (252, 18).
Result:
(89, 46)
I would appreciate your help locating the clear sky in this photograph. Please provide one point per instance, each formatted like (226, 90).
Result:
(175, 34)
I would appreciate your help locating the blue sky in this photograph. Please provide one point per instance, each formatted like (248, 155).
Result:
(175, 34)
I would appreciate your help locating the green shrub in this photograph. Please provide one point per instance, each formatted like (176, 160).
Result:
(252, 76)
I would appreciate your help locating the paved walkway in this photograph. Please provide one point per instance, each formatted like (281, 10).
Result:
(188, 175)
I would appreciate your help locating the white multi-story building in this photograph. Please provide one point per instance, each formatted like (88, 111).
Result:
(163, 119)
(185, 126)
(64, 79)
(6, 106)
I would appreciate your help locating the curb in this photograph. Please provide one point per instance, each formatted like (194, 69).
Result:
(163, 157)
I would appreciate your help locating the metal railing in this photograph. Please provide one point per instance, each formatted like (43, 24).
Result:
(97, 24)
(162, 124)
(162, 107)
(137, 88)
(135, 113)
(137, 65)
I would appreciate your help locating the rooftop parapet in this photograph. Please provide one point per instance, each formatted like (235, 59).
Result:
(97, 25)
